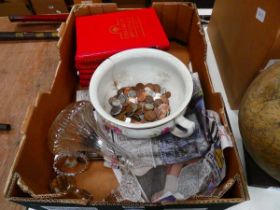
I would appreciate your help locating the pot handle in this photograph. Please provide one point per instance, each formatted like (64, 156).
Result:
(183, 127)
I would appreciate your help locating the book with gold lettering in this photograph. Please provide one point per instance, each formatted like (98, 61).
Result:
(102, 35)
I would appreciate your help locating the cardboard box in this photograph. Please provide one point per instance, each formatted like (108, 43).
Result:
(32, 168)
(244, 35)
(29, 7)
(14, 8)
(49, 6)
(131, 4)
(87, 1)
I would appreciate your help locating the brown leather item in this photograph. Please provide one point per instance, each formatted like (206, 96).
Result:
(241, 43)
(34, 160)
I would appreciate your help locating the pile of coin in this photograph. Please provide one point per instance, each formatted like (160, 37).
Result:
(140, 103)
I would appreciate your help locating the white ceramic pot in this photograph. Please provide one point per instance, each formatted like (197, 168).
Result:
(144, 65)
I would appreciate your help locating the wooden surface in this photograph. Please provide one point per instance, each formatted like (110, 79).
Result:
(26, 68)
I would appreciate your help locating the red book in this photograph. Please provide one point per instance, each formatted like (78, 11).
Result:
(100, 36)
(86, 71)
(84, 83)
(86, 76)
(82, 66)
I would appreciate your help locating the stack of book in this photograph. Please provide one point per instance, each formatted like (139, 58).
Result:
(100, 36)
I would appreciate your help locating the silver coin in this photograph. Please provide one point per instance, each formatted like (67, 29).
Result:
(133, 100)
(132, 94)
(134, 107)
(116, 110)
(147, 89)
(122, 98)
(149, 106)
(116, 102)
(111, 100)
(149, 92)
(157, 96)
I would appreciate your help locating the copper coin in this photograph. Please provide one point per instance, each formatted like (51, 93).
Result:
(164, 107)
(139, 107)
(149, 99)
(167, 94)
(120, 116)
(150, 116)
(157, 102)
(139, 86)
(164, 99)
(156, 88)
(141, 97)
(125, 104)
(140, 103)
(120, 91)
(157, 111)
(122, 98)
(130, 109)
(150, 85)
(162, 111)
(139, 91)
(126, 90)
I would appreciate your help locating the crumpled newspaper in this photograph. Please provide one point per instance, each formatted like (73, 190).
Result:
(200, 175)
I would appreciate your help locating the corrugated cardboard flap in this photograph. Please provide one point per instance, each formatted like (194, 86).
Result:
(242, 42)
